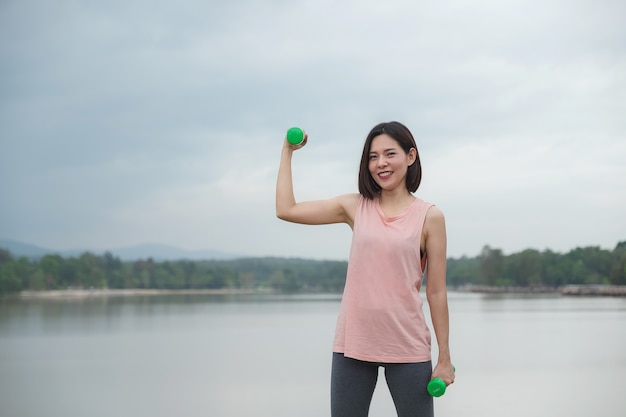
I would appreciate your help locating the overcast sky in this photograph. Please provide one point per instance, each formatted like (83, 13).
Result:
(126, 122)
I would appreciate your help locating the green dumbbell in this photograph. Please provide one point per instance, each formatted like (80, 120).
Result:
(437, 387)
(295, 136)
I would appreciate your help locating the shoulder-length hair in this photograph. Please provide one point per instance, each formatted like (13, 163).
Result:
(401, 134)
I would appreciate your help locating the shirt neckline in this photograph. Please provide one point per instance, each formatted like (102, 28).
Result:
(382, 214)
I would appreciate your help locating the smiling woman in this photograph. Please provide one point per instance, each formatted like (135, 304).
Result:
(395, 237)
(393, 141)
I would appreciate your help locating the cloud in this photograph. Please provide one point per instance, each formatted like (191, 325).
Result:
(127, 122)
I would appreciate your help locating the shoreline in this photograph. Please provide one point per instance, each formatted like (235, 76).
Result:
(487, 289)
(566, 290)
(594, 290)
(130, 292)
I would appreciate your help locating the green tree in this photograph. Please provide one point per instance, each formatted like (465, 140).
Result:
(91, 271)
(285, 280)
(50, 265)
(530, 268)
(597, 263)
(113, 271)
(10, 281)
(463, 271)
(5, 256)
(618, 270)
(491, 265)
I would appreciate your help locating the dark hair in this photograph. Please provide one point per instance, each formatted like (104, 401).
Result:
(401, 134)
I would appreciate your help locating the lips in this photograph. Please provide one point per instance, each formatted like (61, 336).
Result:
(384, 175)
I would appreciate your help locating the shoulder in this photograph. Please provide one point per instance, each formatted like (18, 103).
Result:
(352, 198)
(349, 203)
(435, 220)
(434, 234)
(435, 213)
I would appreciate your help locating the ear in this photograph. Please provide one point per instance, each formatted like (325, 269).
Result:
(412, 156)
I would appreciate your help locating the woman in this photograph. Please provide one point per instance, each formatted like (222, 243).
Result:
(395, 236)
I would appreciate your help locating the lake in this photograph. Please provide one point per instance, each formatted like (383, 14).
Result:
(227, 356)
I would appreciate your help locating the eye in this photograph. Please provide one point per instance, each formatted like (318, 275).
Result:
(373, 157)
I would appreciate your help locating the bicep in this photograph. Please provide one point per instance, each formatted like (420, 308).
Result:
(436, 242)
(334, 210)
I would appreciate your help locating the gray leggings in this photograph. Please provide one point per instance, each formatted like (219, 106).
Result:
(353, 381)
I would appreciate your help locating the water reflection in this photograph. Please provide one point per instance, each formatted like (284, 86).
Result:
(269, 355)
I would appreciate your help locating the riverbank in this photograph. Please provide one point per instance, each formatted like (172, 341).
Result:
(594, 290)
(566, 290)
(105, 292)
(487, 289)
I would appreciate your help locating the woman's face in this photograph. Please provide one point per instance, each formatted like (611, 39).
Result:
(388, 163)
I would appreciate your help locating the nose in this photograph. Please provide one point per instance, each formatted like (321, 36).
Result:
(382, 161)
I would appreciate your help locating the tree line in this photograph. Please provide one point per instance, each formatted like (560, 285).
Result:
(529, 268)
(532, 268)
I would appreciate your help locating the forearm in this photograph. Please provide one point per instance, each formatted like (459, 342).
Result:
(435, 230)
(285, 198)
(438, 302)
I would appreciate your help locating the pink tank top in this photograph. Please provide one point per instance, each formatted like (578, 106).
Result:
(381, 317)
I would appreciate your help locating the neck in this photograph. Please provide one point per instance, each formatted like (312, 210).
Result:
(395, 197)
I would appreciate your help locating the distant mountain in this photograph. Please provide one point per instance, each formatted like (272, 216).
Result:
(156, 251)
(165, 252)
(24, 249)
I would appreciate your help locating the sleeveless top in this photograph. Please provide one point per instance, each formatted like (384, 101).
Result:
(381, 317)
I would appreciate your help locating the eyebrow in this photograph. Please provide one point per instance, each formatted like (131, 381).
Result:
(384, 150)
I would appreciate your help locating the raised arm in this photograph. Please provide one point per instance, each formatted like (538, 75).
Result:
(335, 210)
(436, 292)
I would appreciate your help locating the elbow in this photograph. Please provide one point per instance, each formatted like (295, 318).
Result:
(282, 214)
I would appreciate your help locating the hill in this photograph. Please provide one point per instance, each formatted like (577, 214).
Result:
(156, 251)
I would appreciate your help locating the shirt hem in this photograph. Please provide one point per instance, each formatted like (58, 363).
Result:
(384, 359)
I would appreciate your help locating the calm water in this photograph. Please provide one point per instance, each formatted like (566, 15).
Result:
(270, 357)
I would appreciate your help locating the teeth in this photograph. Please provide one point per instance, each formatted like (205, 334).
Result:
(384, 174)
